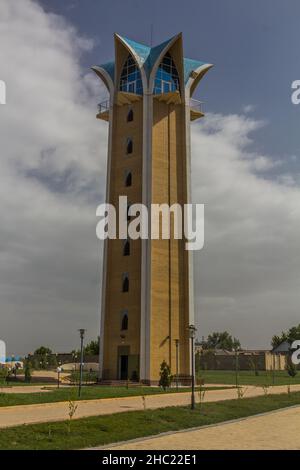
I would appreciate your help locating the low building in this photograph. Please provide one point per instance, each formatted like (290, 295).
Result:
(282, 348)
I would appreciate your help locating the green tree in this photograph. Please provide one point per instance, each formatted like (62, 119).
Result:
(290, 335)
(52, 360)
(42, 351)
(221, 340)
(27, 372)
(92, 348)
(165, 375)
(43, 355)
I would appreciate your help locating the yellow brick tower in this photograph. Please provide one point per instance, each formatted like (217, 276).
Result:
(147, 288)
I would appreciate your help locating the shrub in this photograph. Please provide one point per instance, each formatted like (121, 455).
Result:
(27, 372)
(291, 369)
(165, 375)
(72, 410)
(3, 374)
(134, 376)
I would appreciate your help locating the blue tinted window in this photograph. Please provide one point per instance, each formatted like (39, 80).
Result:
(131, 81)
(166, 78)
(131, 77)
(166, 87)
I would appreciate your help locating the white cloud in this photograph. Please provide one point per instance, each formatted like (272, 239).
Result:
(52, 177)
(249, 108)
(262, 163)
(248, 273)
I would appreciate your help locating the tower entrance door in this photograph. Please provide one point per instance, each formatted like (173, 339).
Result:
(123, 355)
(123, 367)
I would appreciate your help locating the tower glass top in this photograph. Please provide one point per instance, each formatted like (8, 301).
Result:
(131, 80)
(141, 59)
(166, 78)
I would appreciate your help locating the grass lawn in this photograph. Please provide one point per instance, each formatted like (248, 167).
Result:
(88, 393)
(101, 430)
(246, 377)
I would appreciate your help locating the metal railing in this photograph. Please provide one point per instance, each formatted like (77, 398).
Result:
(196, 105)
(102, 107)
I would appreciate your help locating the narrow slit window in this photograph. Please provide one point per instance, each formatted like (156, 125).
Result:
(129, 146)
(124, 322)
(125, 283)
(130, 116)
(128, 179)
(126, 248)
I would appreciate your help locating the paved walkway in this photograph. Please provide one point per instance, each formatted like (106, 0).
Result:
(32, 388)
(275, 430)
(25, 389)
(47, 412)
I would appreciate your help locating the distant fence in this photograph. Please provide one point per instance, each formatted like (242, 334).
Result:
(208, 360)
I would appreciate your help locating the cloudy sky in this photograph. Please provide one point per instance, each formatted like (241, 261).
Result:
(246, 162)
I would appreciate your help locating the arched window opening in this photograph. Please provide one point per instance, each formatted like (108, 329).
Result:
(128, 179)
(125, 283)
(124, 322)
(126, 248)
(129, 146)
(166, 78)
(130, 116)
(131, 80)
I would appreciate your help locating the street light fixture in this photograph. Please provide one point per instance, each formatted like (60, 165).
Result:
(192, 332)
(74, 360)
(58, 375)
(81, 333)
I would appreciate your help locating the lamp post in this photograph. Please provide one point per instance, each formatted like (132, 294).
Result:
(58, 375)
(81, 333)
(74, 360)
(192, 331)
(177, 361)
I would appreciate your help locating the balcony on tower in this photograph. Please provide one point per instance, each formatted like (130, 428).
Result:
(196, 108)
(103, 111)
